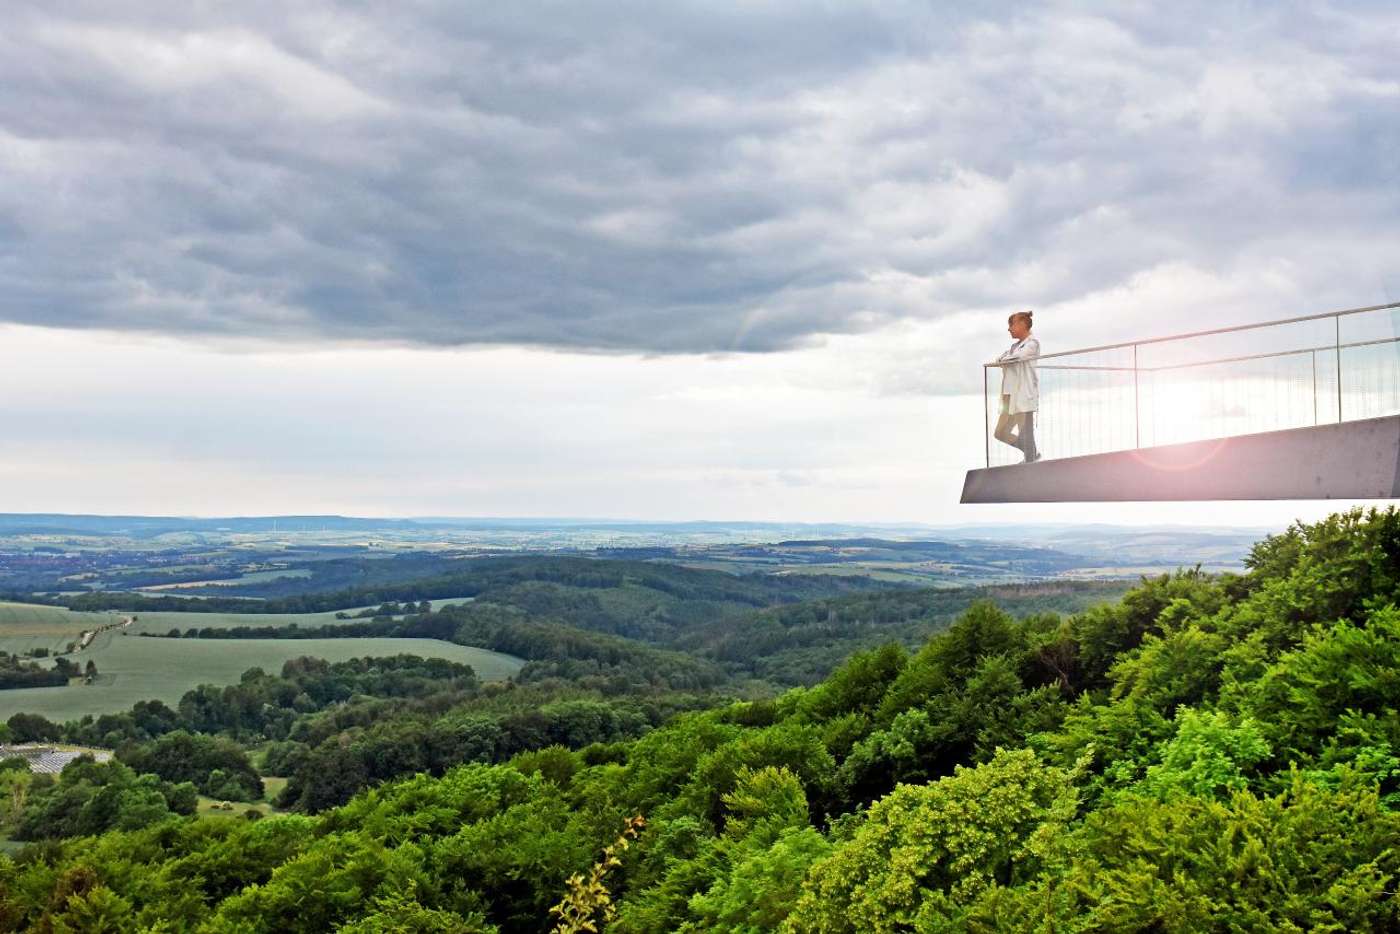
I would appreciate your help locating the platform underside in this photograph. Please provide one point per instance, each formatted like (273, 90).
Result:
(1350, 460)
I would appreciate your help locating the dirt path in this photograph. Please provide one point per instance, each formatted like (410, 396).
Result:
(88, 635)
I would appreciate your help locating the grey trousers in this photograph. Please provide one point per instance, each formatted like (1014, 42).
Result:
(1022, 422)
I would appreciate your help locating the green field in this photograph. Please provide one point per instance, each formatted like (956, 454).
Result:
(134, 668)
(915, 575)
(450, 601)
(253, 577)
(25, 626)
(272, 787)
(162, 621)
(165, 620)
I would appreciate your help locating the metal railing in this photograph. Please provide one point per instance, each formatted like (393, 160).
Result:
(1290, 373)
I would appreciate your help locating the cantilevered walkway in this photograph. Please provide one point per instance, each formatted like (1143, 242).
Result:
(1300, 408)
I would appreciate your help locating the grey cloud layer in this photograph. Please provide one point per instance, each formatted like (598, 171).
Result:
(679, 177)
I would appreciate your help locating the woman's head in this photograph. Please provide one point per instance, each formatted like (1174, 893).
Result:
(1019, 324)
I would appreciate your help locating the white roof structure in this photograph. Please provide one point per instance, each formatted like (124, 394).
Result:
(48, 760)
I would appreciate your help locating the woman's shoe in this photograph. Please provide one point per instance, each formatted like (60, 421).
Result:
(1032, 458)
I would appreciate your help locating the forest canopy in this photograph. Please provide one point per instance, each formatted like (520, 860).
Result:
(1207, 753)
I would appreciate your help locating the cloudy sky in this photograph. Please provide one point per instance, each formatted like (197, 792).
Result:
(681, 260)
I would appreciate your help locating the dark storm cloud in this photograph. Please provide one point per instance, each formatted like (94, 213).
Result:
(676, 177)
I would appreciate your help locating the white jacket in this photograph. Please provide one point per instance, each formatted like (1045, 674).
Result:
(1019, 379)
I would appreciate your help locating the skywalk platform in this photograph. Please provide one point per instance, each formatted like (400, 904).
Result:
(1301, 408)
(1350, 460)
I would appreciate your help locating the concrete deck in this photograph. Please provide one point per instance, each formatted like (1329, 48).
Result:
(1351, 460)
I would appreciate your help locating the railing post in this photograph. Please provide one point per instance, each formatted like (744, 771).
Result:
(1137, 408)
(986, 416)
(1338, 321)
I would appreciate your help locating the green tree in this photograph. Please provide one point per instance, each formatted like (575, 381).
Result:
(97, 911)
(924, 849)
(32, 728)
(1309, 859)
(1209, 757)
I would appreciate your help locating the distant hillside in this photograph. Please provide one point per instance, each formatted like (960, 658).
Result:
(150, 526)
(278, 557)
(337, 583)
(804, 642)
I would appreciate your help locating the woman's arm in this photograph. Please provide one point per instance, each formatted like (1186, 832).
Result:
(1027, 351)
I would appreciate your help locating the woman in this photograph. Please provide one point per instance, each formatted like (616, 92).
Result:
(1020, 388)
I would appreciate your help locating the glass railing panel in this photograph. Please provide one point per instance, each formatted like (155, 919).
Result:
(1292, 373)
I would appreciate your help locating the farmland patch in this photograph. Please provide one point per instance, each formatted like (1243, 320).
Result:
(134, 668)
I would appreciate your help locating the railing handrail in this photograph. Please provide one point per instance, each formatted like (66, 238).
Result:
(1208, 333)
(1215, 360)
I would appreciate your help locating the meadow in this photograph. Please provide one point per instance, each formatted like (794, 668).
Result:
(25, 626)
(160, 622)
(134, 668)
(252, 577)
